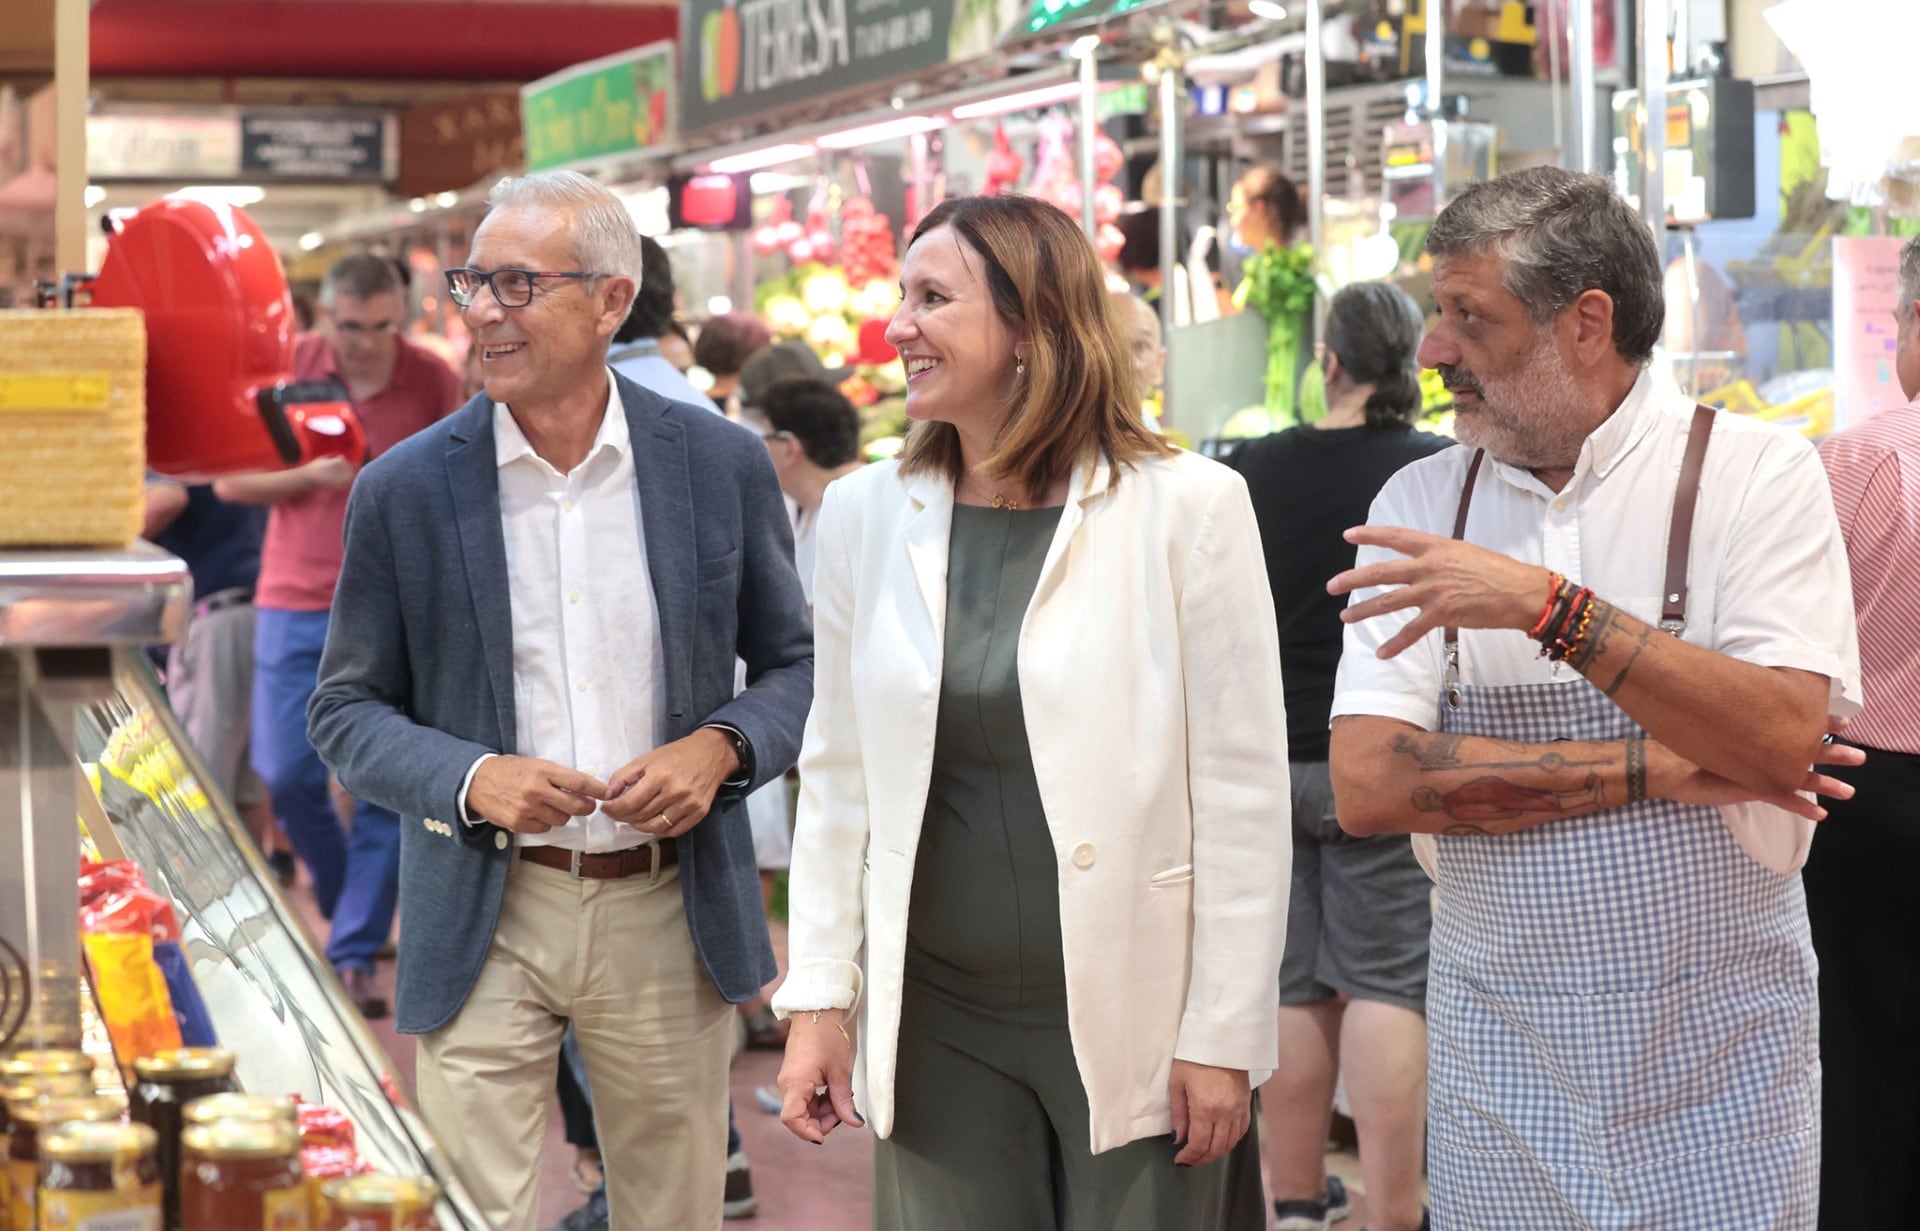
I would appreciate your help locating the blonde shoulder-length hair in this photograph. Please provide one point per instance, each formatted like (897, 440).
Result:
(1079, 398)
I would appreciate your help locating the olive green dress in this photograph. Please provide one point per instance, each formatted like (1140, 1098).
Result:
(991, 1127)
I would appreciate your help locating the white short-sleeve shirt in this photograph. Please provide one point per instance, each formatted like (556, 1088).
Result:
(1768, 581)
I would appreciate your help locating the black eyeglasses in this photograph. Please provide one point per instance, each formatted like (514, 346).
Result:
(512, 288)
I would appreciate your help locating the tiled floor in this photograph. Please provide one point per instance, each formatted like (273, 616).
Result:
(801, 1187)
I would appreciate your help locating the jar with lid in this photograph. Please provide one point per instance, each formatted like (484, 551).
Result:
(256, 1108)
(99, 1176)
(381, 1203)
(23, 1148)
(44, 1060)
(166, 1082)
(241, 1175)
(40, 1085)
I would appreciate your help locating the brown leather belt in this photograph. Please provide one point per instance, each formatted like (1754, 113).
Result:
(611, 866)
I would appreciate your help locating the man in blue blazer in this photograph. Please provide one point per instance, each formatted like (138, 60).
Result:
(531, 660)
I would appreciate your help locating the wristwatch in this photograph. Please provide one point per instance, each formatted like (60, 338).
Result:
(741, 749)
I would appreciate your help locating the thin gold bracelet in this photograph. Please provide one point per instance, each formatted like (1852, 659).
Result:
(837, 1025)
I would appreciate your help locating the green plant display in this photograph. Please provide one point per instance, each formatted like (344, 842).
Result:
(1279, 286)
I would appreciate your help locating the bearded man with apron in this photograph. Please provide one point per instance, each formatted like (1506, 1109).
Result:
(1589, 664)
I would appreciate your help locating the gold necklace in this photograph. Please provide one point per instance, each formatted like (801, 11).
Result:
(995, 499)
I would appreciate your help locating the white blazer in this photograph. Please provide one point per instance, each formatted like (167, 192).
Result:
(1150, 676)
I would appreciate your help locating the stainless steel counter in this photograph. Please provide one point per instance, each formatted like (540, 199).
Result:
(135, 595)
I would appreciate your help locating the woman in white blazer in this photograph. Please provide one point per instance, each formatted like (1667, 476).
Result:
(1043, 839)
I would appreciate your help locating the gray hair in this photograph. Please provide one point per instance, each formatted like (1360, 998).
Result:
(1561, 234)
(605, 241)
(1909, 273)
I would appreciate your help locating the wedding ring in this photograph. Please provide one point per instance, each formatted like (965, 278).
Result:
(665, 820)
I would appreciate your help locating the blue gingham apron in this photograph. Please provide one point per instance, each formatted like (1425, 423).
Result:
(1622, 1015)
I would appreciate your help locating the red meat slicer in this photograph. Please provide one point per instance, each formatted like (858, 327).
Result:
(220, 399)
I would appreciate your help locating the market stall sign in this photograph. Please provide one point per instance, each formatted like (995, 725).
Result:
(621, 104)
(211, 145)
(293, 145)
(750, 59)
(1043, 16)
(152, 145)
(447, 146)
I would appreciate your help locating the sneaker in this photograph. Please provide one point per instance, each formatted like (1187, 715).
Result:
(740, 1201)
(1309, 1214)
(768, 1099)
(592, 1216)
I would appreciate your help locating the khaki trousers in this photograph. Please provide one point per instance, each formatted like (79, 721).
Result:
(615, 958)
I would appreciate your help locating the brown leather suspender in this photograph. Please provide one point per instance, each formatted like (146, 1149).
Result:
(1452, 643)
(1673, 610)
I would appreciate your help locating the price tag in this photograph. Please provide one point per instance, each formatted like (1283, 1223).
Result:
(84, 391)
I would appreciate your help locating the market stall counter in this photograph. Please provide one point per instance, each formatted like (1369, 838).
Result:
(183, 937)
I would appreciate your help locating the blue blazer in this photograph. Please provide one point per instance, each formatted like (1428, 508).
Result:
(417, 678)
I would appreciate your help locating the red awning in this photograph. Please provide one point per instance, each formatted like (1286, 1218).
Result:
(423, 40)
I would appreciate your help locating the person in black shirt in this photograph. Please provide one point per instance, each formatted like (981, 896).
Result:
(1353, 980)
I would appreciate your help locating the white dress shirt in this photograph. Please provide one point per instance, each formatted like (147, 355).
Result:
(588, 666)
(1767, 582)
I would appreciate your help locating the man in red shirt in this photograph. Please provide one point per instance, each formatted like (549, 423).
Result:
(1859, 874)
(397, 388)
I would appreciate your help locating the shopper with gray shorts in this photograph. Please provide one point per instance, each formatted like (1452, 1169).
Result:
(210, 671)
(1353, 982)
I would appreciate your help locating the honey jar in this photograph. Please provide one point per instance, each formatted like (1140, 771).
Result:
(166, 1082)
(99, 1176)
(241, 1175)
(381, 1203)
(23, 1149)
(38, 1085)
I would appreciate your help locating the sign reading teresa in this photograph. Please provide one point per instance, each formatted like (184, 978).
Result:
(749, 59)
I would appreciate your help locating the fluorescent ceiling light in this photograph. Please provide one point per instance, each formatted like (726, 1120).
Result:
(1026, 100)
(885, 130)
(222, 194)
(753, 160)
(766, 183)
(1267, 9)
(311, 240)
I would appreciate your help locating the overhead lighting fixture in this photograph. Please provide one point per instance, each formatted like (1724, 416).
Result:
(719, 305)
(1026, 100)
(446, 200)
(766, 183)
(885, 130)
(1267, 9)
(238, 195)
(754, 160)
(311, 240)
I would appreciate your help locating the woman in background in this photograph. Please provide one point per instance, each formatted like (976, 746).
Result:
(1353, 982)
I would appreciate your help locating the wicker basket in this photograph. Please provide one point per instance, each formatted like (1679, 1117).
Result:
(73, 423)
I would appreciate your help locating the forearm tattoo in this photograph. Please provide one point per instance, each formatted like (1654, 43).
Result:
(1636, 769)
(1611, 633)
(1481, 804)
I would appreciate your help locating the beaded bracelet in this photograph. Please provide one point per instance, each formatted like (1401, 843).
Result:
(1556, 585)
(1574, 631)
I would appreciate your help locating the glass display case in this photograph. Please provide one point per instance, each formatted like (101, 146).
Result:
(92, 756)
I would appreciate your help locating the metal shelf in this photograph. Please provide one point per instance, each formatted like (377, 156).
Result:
(135, 595)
